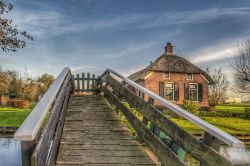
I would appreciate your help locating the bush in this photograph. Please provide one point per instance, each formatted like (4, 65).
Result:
(247, 113)
(23, 104)
(190, 106)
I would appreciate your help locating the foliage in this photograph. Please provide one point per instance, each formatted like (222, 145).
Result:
(247, 112)
(44, 82)
(24, 88)
(241, 66)
(227, 110)
(190, 106)
(8, 82)
(11, 38)
(217, 91)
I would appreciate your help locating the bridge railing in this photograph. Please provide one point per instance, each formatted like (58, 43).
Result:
(117, 91)
(40, 148)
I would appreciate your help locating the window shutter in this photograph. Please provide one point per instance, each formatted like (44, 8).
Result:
(186, 91)
(161, 89)
(200, 92)
(176, 91)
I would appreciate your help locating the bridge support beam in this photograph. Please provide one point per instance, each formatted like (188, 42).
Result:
(27, 148)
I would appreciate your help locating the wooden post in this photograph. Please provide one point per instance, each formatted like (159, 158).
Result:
(83, 82)
(212, 142)
(78, 83)
(88, 77)
(151, 102)
(27, 148)
(93, 82)
(73, 83)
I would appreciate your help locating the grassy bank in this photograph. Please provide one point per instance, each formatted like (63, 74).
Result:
(230, 125)
(230, 108)
(12, 116)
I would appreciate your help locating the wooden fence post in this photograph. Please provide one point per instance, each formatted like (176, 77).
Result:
(83, 81)
(88, 78)
(78, 83)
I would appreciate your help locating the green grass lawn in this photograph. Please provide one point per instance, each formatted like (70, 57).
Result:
(229, 125)
(12, 116)
(230, 108)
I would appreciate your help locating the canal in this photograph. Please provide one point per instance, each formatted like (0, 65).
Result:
(10, 152)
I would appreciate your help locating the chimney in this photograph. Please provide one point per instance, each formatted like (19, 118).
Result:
(169, 49)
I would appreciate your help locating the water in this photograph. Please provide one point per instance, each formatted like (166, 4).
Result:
(10, 152)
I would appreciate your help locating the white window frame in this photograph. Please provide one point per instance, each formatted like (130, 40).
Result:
(191, 76)
(169, 88)
(194, 89)
(166, 77)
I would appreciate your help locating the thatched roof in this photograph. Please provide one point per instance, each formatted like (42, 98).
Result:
(170, 63)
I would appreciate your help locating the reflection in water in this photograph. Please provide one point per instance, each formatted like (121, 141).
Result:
(10, 152)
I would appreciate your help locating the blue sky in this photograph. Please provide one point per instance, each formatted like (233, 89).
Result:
(92, 35)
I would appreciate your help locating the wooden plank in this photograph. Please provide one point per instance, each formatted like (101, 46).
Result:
(73, 83)
(189, 143)
(93, 82)
(216, 132)
(58, 133)
(30, 127)
(78, 82)
(88, 81)
(97, 136)
(162, 151)
(83, 82)
(45, 145)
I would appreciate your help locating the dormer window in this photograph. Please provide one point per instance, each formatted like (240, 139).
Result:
(189, 76)
(166, 75)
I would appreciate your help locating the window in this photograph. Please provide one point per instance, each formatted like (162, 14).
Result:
(193, 92)
(166, 75)
(189, 76)
(169, 91)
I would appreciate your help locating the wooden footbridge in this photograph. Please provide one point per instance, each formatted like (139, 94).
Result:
(78, 122)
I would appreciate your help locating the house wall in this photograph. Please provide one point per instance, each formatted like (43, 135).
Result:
(4, 100)
(152, 83)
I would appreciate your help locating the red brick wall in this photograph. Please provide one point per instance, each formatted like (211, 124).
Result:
(152, 83)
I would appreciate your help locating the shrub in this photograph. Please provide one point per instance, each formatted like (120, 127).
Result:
(190, 106)
(23, 104)
(247, 113)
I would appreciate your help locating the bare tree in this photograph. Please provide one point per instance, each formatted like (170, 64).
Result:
(217, 91)
(10, 37)
(241, 67)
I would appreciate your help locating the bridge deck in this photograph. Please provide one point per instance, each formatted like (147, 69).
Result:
(93, 134)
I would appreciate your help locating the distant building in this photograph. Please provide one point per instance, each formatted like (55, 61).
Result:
(228, 100)
(5, 98)
(174, 78)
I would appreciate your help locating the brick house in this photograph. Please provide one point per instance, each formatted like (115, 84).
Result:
(174, 78)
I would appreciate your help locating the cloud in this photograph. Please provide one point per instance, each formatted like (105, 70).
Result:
(42, 22)
(220, 51)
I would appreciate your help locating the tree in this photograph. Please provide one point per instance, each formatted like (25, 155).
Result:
(9, 82)
(10, 37)
(241, 67)
(217, 91)
(44, 82)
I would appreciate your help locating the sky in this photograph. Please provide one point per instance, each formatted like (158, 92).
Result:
(125, 35)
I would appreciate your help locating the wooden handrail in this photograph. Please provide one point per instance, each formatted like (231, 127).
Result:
(214, 131)
(30, 127)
